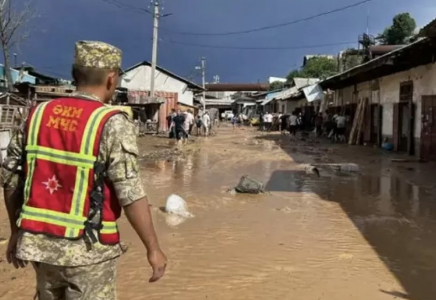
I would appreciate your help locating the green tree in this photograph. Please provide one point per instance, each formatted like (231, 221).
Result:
(400, 32)
(319, 67)
(316, 67)
(276, 85)
(292, 75)
(351, 61)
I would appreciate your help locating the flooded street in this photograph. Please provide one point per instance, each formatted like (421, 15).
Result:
(367, 235)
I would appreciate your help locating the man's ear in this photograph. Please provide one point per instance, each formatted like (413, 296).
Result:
(112, 80)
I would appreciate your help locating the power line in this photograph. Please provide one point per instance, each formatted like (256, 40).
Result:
(272, 26)
(127, 6)
(146, 11)
(256, 48)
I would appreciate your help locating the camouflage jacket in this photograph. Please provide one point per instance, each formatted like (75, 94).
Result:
(119, 149)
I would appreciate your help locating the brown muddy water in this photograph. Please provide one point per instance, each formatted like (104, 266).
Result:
(341, 236)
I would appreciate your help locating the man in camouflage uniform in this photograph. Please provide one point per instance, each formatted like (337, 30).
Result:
(68, 269)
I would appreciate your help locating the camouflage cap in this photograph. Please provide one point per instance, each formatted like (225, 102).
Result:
(100, 55)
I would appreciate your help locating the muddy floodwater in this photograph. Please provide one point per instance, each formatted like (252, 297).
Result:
(340, 236)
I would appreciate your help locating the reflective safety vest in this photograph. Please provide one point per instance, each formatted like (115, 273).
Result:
(65, 188)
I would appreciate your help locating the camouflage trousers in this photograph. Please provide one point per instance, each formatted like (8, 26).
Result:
(93, 282)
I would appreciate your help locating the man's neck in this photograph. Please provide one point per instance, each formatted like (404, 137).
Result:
(96, 92)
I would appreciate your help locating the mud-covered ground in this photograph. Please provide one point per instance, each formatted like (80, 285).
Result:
(340, 236)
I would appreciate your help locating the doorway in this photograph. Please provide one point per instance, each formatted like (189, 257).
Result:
(404, 118)
(373, 121)
(428, 130)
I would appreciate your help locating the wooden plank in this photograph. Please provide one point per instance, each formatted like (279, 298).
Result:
(361, 122)
(355, 121)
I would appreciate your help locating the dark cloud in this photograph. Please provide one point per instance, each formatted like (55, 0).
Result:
(61, 23)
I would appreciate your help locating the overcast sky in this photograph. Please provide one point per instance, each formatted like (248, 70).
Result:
(62, 22)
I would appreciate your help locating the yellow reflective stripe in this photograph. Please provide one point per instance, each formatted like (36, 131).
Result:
(52, 217)
(62, 157)
(30, 169)
(109, 228)
(87, 148)
(35, 124)
(79, 195)
(32, 139)
(91, 129)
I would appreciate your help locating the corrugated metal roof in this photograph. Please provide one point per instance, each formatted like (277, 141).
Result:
(237, 87)
(169, 73)
(429, 30)
(303, 82)
(374, 62)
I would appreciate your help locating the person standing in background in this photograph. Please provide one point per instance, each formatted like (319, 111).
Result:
(284, 121)
(235, 122)
(268, 121)
(293, 124)
(189, 121)
(199, 124)
(206, 123)
(179, 127)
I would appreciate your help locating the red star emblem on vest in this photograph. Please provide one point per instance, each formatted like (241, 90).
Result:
(52, 184)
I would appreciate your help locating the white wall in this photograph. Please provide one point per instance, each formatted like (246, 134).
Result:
(424, 83)
(139, 79)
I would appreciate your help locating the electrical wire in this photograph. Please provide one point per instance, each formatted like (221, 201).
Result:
(256, 48)
(127, 6)
(146, 11)
(271, 26)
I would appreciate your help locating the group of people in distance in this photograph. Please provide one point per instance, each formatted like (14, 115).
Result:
(332, 126)
(181, 124)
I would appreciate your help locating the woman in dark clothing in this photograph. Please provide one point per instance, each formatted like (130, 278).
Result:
(284, 120)
(178, 122)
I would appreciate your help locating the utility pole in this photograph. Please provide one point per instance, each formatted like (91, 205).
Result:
(203, 75)
(156, 16)
(202, 68)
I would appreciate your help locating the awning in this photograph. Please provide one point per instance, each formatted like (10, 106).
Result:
(313, 92)
(287, 93)
(266, 101)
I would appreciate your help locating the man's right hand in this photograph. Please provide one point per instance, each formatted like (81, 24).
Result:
(11, 252)
(158, 261)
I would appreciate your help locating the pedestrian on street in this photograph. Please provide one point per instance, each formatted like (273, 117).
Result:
(189, 118)
(179, 127)
(340, 128)
(206, 123)
(268, 121)
(199, 124)
(80, 170)
(293, 124)
(262, 121)
(235, 122)
(284, 120)
(173, 114)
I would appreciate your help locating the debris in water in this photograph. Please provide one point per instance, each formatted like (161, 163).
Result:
(312, 170)
(248, 185)
(346, 167)
(177, 206)
(174, 220)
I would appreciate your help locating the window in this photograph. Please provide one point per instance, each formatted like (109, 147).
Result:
(406, 91)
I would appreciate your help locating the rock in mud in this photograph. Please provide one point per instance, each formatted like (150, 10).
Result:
(248, 185)
(177, 206)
